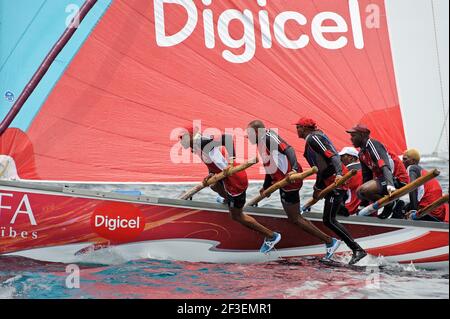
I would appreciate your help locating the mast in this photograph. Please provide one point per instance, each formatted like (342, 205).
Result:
(46, 63)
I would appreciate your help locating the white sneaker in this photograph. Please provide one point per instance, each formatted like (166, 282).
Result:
(270, 243)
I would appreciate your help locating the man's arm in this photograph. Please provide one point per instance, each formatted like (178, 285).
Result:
(228, 142)
(366, 173)
(320, 184)
(336, 161)
(267, 181)
(273, 140)
(292, 158)
(380, 156)
(323, 147)
(414, 173)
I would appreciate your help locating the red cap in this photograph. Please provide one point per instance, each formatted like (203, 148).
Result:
(306, 122)
(360, 128)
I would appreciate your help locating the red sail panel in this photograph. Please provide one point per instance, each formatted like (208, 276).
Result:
(111, 115)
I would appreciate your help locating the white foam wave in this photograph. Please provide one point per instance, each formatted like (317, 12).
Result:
(7, 292)
(371, 262)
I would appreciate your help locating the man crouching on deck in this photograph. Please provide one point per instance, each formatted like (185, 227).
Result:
(280, 161)
(320, 152)
(383, 172)
(218, 155)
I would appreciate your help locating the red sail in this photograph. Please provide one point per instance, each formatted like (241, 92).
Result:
(111, 115)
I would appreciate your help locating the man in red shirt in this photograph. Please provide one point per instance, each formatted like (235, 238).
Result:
(280, 161)
(218, 155)
(383, 172)
(350, 158)
(425, 194)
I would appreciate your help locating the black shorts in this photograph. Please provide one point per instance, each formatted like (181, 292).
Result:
(236, 201)
(291, 197)
(382, 185)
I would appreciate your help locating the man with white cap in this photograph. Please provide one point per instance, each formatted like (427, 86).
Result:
(350, 158)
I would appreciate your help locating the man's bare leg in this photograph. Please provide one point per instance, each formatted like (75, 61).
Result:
(248, 221)
(369, 191)
(239, 216)
(295, 218)
(219, 189)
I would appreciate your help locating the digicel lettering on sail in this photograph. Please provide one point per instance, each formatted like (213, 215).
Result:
(317, 25)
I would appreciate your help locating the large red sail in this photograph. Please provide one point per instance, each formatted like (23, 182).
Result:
(110, 116)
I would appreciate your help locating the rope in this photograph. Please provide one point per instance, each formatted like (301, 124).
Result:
(444, 109)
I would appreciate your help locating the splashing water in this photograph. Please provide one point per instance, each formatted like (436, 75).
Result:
(293, 278)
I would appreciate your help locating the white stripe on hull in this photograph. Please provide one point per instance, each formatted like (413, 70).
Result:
(420, 255)
(394, 237)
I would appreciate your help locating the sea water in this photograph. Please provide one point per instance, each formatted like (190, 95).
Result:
(298, 278)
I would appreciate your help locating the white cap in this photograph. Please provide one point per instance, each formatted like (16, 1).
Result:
(349, 151)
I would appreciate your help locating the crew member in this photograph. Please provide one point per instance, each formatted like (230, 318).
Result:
(425, 194)
(350, 158)
(320, 152)
(280, 161)
(383, 172)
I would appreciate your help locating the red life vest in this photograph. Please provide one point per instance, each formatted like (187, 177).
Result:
(216, 160)
(400, 169)
(446, 213)
(428, 194)
(353, 184)
(330, 180)
(276, 156)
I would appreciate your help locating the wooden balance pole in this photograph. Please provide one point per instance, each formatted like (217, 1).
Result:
(386, 200)
(329, 189)
(218, 177)
(283, 183)
(428, 209)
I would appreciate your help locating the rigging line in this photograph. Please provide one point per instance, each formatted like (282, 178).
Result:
(444, 112)
(22, 35)
(443, 130)
(45, 65)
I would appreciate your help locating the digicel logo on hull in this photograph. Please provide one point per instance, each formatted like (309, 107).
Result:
(119, 222)
(322, 25)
